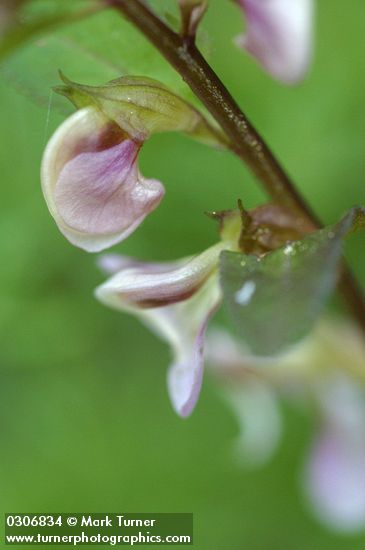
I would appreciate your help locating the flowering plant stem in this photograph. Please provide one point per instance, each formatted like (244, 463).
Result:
(244, 140)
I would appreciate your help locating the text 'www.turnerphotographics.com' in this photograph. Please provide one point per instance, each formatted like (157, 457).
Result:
(102, 528)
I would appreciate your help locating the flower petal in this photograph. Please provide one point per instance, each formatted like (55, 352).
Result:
(149, 285)
(279, 35)
(252, 400)
(188, 321)
(256, 409)
(335, 473)
(91, 182)
(188, 292)
(336, 482)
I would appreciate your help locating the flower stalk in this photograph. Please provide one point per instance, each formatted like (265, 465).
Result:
(245, 141)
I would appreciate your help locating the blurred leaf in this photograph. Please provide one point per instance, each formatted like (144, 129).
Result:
(35, 20)
(93, 51)
(274, 300)
(168, 11)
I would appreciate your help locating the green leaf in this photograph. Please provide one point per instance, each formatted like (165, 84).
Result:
(93, 51)
(168, 11)
(274, 300)
(25, 24)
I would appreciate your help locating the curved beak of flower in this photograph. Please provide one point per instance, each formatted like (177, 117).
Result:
(92, 184)
(279, 36)
(176, 301)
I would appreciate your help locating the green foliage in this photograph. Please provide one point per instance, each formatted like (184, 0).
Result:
(94, 50)
(275, 299)
(27, 20)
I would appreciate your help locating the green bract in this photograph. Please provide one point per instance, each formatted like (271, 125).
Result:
(142, 106)
(274, 300)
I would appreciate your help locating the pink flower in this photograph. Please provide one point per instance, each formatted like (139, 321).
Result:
(334, 478)
(90, 178)
(279, 36)
(175, 300)
(92, 184)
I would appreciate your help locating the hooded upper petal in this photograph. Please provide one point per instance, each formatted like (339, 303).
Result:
(279, 36)
(176, 302)
(91, 181)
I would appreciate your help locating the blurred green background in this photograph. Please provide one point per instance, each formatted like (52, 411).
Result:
(85, 420)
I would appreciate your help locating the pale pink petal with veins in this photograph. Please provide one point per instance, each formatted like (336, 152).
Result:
(91, 182)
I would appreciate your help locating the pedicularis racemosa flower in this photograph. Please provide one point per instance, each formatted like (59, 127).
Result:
(279, 36)
(322, 373)
(266, 267)
(177, 299)
(90, 177)
(92, 184)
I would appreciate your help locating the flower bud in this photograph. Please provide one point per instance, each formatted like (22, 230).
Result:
(192, 12)
(92, 184)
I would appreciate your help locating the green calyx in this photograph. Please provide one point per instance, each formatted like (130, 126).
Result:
(142, 106)
(262, 229)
